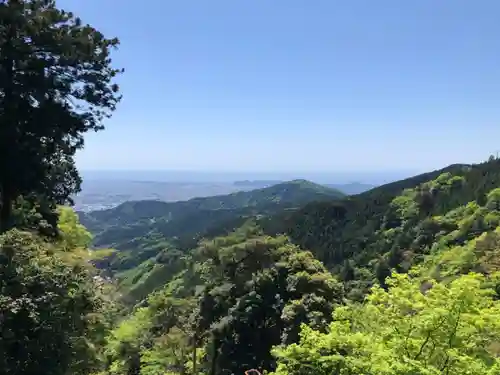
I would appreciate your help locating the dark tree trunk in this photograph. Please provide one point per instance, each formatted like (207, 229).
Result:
(8, 131)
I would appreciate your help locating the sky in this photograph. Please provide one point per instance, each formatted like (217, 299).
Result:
(296, 85)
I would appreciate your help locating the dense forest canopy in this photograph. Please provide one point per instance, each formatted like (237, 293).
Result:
(291, 279)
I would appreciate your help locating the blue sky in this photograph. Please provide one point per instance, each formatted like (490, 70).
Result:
(298, 85)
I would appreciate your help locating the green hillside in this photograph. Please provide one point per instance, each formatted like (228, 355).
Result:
(145, 231)
(348, 235)
(288, 194)
(353, 233)
(434, 230)
(190, 219)
(406, 275)
(337, 230)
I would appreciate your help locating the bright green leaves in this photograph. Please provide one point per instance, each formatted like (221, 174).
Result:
(424, 198)
(480, 254)
(153, 338)
(448, 329)
(239, 296)
(73, 234)
(405, 205)
(493, 200)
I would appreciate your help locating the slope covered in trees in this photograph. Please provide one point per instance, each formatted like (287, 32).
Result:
(360, 247)
(430, 231)
(432, 317)
(349, 231)
(55, 311)
(146, 229)
(237, 297)
(439, 318)
(451, 329)
(409, 283)
(336, 229)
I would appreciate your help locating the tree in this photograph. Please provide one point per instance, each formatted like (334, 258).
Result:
(73, 234)
(258, 290)
(493, 200)
(153, 339)
(56, 84)
(447, 329)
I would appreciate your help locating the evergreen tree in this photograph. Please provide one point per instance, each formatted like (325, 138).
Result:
(56, 83)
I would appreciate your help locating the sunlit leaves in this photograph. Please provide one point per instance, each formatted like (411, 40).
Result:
(449, 329)
(73, 234)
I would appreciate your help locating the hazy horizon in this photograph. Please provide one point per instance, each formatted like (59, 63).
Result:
(166, 175)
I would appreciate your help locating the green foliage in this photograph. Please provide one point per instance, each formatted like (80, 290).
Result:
(480, 254)
(73, 235)
(213, 284)
(350, 228)
(448, 329)
(257, 292)
(51, 315)
(131, 254)
(153, 237)
(153, 338)
(237, 297)
(140, 270)
(137, 283)
(57, 84)
(397, 225)
(101, 254)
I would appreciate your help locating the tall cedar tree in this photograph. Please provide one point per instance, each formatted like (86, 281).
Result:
(56, 83)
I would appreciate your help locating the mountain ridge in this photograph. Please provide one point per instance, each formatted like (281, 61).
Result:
(291, 193)
(138, 229)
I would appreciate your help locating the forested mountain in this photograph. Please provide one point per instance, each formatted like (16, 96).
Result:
(347, 188)
(349, 231)
(335, 228)
(345, 234)
(287, 194)
(434, 228)
(139, 229)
